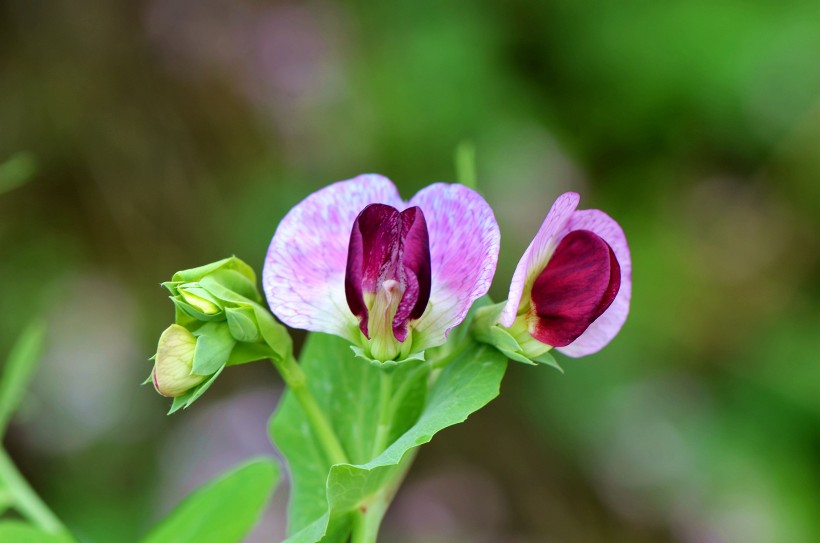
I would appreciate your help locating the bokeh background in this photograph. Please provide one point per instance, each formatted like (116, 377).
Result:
(143, 137)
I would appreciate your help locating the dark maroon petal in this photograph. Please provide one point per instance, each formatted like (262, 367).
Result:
(371, 255)
(353, 277)
(415, 257)
(577, 286)
(386, 244)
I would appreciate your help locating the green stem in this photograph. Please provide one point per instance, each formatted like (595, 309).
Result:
(385, 413)
(366, 522)
(368, 518)
(296, 381)
(27, 501)
(421, 369)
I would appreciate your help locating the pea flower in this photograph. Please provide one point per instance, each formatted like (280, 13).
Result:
(393, 277)
(572, 287)
(570, 290)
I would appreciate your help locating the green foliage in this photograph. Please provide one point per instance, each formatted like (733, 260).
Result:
(14, 531)
(323, 496)
(222, 511)
(19, 370)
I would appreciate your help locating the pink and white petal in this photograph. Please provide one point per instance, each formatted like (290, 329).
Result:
(464, 244)
(605, 327)
(535, 258)
(305, 266)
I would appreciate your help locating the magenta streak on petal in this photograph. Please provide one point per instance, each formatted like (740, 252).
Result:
(388, 245)
(577, 286)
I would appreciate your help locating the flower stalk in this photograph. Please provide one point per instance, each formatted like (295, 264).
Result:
(25, 499)
(296, 381)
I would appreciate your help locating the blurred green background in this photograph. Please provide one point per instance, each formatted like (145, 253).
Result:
(150, 136)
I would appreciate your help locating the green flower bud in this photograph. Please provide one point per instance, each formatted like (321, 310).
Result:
(199, 298)
(220, 321)
(174, 361)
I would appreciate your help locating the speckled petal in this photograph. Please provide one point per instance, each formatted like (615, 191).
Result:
(605, 327)
(464, 244)
(304, 274)
(535, 258)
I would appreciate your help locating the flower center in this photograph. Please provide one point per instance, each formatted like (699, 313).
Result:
(387, 280)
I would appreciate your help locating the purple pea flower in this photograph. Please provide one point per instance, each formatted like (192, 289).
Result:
(393, 277)
(572, 287)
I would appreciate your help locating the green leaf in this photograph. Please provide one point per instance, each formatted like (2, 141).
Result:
(19, 370)
(213, 348)
(15, 531)
(222, 511)
(347, 388)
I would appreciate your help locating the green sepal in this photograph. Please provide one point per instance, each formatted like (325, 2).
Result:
(242, 324)
(234, 281)
(183, 318)
(518, 357)
(231, 263)
(486, 329)
(276, 336)
(185, 401)
(171, 286)
(549, 360)
(359, 352)
(180, 401)
(502, 339)
(213, 348)
(248, 352)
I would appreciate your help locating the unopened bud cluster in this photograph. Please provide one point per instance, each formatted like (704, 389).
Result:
(218, 322)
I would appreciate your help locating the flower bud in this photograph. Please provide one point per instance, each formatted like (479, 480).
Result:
(203, 293)
(198, 298)
(219, 322)
(172, 375)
